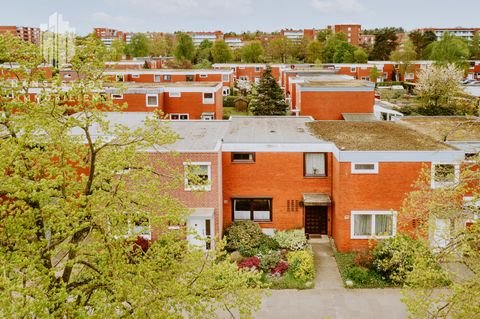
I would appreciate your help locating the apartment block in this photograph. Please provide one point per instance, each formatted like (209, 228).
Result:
(28, 34)
(352, 31)
(198, 37)
(107, 36)
(464, 33)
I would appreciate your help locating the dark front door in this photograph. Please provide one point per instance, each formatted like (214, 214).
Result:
(316, 220)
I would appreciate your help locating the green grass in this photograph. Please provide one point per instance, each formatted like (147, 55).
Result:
(287, 281)
(362, 277)
(228, 111)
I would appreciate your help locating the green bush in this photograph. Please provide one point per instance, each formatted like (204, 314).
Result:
(291, 239)
(363, 276)
(301, 265)
(243, 235)
(269, 260)
(229, 101)
(394, 258)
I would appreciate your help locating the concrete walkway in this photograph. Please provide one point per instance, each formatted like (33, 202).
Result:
(329, 300)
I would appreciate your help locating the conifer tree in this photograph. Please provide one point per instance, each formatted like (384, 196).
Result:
(269, 98)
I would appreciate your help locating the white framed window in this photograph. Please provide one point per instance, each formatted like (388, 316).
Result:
(119, 78)
(365, 168)
(117, 96)
(174, 94)
(257, 69)
(178, 116)
(135, 76)
(203, 76)
(208, 98)
(257, 80)
(241, 67)
(156, 78)
(152, 100)
(225, 77)
(314, 165)
(353, 69)
(140, 228)
(377, 224)
(445, 174)
(226, 91)
(208, 116)
(243, 78)
(198, 176)
(167, 77)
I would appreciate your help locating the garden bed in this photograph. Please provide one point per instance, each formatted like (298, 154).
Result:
(284, 260)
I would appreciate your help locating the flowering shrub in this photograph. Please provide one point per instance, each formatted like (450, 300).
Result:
(250, 263)
(301, 265)
(291, 239)
(269, 260)
(280, 268)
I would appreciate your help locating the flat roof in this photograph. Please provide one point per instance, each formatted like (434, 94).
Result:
(139, 85)
(374, 136)
(197, 135)
(338, 84)
(446, 128)
(359, 117)
(269, 129)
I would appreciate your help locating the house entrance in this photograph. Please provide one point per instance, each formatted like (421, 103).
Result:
(316, 220)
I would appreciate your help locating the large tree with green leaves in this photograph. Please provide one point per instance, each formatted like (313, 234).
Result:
(268, 98)
(420, 41)
(385, 43)
(475, 47)
(71, 189)
(252, 52)
(221, 52)
(184, 49)
(139, 45)
(314, 52)
(279, 49)
(116, 50)
(449, 49)
(404, 55)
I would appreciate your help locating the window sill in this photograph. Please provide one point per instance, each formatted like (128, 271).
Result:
(315, 176)
(243, 162)
(198, 189)
(371, 237)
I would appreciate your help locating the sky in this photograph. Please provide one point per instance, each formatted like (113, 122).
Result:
(240, 15)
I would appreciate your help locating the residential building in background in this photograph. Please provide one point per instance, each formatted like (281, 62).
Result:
(352, 31)
(464, 33)
(29, 34)
(57, 40)
(234, 42)
(198, 37)
(107, 36)
(298, 35)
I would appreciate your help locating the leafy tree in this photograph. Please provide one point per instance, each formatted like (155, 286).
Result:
(221, 52)
(185, 49)
(298, 50)
(436, 85)
(385, 43)
(269, 96)
(117, 50)
(449, 49)
(139, 45)
(360, 56)
(459, 253)
(279, 49)
(71, 187)
(475, 47)
(375, 74)
(344, 53)
(252, 52)
(421, 40)
(160, 45)
(314, 52)
(323, 35)
(204, 51)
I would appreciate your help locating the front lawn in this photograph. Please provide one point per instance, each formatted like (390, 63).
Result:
(362, 277)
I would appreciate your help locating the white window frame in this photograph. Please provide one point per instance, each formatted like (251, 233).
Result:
(353, 69)
(203, 76)
(115, 96)
(355, 170)
(157, 78)
(151, 95)
(179, 115)
(257, 69)
(118, 76)
(174, 94)
(135, 76)
(226, 91)
(373, 213)
(167, 77)
(243, 78)
(208, 117)
(208, 100)
(409, 76)
(445, 184)
(225, 77)
(241, 67)
(257, 80)
(207, 187)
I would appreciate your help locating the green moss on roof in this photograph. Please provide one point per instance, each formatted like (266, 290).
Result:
(374, 136)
